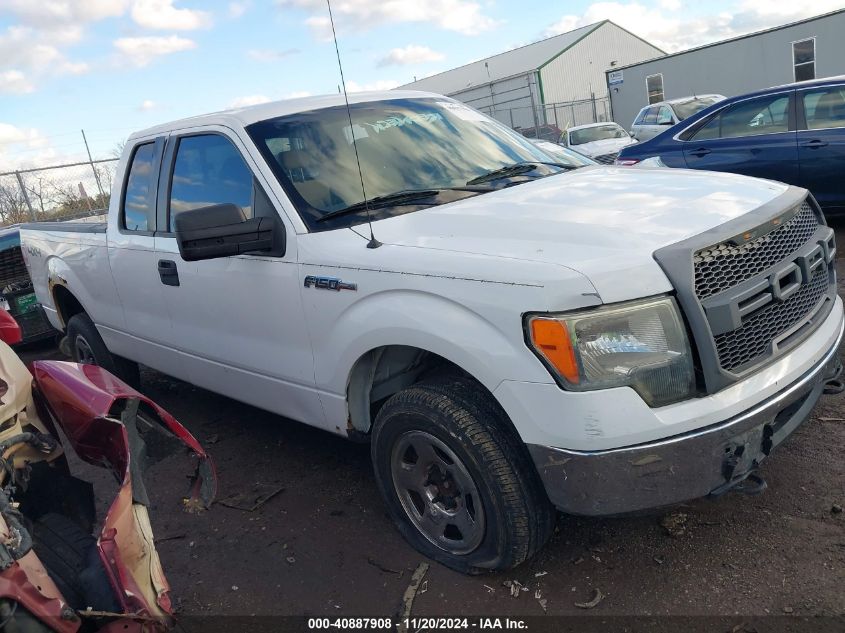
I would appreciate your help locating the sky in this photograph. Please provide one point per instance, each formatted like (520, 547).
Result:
(114, 66)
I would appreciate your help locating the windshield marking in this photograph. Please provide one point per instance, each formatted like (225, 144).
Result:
(395, 121)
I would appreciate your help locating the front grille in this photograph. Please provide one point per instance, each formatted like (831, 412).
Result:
(725, 265)
(751, 342)
(606, 159)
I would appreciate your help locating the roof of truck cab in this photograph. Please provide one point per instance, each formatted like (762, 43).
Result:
(251, 114)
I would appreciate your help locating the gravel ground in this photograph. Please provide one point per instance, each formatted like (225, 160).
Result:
(323, 545)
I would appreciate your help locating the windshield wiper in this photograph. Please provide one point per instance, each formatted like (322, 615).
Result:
(516, 169)
(406, 196)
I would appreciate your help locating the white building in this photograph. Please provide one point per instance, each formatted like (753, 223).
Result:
(559, 80)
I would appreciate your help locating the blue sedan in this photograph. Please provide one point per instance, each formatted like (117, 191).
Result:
(793, 133)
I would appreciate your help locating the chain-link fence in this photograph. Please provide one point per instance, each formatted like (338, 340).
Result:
(61, 192)
(549, 120)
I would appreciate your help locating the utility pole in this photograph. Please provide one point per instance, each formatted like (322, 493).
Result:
(25, 195)
(93, 169)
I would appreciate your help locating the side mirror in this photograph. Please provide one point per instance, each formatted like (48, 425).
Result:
(10, 331)
(220, 230)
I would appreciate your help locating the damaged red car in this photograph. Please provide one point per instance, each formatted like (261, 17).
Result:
(62, 568)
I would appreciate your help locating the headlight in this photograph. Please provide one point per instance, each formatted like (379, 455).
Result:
(642, 345)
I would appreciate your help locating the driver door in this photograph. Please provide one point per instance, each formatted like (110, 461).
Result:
(238, 321)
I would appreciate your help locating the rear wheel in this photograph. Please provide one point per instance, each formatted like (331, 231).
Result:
(87, 347)
(457, 479)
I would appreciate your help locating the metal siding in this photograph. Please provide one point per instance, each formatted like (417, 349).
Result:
(580, 70)
(508, 100)
(732, 68)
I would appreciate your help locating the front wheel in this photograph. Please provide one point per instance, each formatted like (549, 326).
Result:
(88, 348)
(457, 479)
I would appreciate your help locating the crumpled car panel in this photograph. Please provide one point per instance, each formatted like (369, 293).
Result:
(110, 424)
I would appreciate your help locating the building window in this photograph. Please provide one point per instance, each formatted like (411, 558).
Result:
(654, 86)
(804, 59)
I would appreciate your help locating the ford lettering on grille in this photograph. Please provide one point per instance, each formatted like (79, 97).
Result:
(765, 289)
(726, 310)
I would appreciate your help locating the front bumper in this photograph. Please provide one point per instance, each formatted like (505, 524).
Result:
(685, 466)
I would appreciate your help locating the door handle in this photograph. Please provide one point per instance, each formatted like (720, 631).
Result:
(814, 143)
(701, 152)
(168, 272)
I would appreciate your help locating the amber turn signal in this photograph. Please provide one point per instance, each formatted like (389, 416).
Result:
(551, 339)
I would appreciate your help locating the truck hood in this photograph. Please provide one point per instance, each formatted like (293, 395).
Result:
(604, 146)
(604, 222)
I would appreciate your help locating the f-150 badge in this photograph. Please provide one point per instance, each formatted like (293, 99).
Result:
(329, 283)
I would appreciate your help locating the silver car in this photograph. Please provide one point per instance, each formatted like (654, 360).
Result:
(655, 118)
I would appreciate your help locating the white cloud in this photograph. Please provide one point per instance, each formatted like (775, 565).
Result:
(270, 55)
(147, 105)
(14, 82)
(411, 54)
(237, 9)
(667, 30)
(162, 15)
(63, 12)
(249, 100)
(21, 148)
(463, 16)
(381, 84)
(28, 54)
(670, 5)
(141, 51)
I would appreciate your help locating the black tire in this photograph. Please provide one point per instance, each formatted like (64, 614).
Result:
(70, 556)
(517, 516)
(83, 336)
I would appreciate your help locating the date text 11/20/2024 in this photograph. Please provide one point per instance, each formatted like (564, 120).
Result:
(417, 624)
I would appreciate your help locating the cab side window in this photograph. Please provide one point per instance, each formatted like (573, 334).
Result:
(138, 211)
(650, 117)
(209, 170)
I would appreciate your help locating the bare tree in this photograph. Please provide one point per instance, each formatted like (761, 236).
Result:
(13, 207)
(117, 150)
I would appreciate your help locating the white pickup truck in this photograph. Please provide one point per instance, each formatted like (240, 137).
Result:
(510, 332)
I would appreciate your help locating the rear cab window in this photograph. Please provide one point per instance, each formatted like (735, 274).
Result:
(138, 204)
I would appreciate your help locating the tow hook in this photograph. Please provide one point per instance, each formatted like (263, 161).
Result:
(752, 485)
(834, 384)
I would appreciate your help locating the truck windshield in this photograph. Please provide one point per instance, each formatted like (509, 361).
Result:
(403, 145)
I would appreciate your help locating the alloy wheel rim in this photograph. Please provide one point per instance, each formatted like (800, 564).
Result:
(437, 492)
